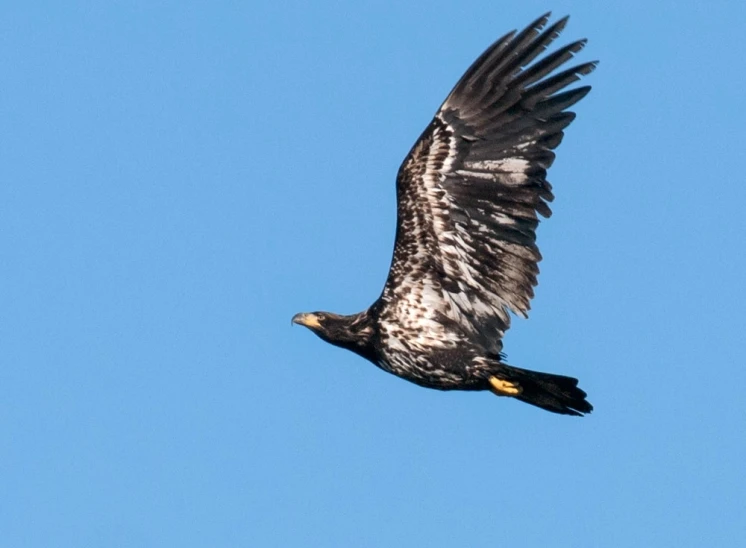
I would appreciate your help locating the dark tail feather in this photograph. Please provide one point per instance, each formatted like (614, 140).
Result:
(555, 393)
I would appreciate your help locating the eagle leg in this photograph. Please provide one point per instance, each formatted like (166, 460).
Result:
(501, 387)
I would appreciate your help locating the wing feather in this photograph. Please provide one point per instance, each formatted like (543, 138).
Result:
(472, 188)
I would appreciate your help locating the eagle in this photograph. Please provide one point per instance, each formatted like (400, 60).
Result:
(469, 196)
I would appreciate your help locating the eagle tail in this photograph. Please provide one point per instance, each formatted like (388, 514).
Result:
(555, 393)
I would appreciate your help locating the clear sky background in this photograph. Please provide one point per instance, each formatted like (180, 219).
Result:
(177, 179)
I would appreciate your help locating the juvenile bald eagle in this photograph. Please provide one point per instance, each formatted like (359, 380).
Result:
(469, 195)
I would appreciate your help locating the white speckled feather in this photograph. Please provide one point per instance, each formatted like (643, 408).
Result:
(470, 193)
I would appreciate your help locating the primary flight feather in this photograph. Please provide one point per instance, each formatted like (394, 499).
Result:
(469, 196)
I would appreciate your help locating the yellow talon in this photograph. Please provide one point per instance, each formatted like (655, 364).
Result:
(501, 387)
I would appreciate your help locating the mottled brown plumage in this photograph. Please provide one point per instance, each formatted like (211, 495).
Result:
(469, 197)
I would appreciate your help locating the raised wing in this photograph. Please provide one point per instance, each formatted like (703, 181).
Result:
(471, 189)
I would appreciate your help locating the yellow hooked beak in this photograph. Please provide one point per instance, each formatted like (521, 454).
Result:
(307, 319)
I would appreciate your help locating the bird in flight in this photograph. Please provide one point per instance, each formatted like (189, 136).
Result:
(469, 196)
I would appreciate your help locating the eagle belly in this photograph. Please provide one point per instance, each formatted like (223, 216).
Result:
(430, 356)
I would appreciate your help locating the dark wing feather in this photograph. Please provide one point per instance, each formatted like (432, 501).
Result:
(472, 188)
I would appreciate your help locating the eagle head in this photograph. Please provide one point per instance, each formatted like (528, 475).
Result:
(351, 332)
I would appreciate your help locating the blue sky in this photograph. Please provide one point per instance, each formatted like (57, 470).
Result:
(177, 179)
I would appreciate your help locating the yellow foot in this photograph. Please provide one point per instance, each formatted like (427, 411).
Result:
(501, 387)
